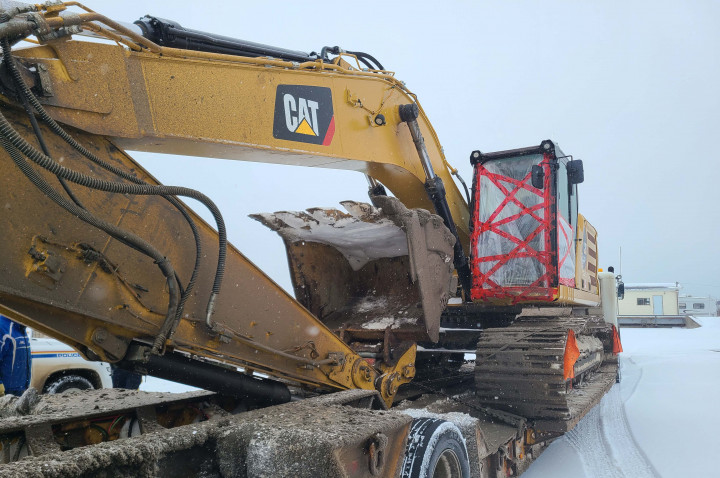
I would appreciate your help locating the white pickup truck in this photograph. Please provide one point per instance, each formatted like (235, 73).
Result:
(57, 367)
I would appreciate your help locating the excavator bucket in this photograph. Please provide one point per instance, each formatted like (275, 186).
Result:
(370, 269)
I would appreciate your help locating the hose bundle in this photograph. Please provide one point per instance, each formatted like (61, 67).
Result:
(18, 149)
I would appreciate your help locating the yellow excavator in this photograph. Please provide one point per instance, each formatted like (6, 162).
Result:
(369, 360)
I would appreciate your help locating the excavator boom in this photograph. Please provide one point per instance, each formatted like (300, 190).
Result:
(196, 103)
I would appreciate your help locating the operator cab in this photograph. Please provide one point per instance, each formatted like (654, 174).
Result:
(525, 227)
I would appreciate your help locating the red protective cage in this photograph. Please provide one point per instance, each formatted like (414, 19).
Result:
(514, 233)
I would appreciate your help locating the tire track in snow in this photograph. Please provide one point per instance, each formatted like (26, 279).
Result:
(605, 444)
(588, 440)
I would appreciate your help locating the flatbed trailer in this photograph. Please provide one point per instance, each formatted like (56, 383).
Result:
(117, 432)
(345, 434)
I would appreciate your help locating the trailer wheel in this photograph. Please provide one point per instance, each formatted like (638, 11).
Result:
(435, 449)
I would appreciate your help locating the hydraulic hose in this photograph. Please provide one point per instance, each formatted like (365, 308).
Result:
(107, 186)
(125, 237)
(364, 57)
(41, 140)
(55, 168)
(27, 95)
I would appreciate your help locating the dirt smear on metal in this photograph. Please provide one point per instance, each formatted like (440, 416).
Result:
(299, 439)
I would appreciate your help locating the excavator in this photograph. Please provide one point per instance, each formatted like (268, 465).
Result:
(368, 370)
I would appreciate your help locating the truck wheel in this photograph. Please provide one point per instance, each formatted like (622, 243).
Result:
(436, 449)
(68, 382)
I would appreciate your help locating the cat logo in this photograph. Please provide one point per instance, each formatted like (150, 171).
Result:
(304, 114)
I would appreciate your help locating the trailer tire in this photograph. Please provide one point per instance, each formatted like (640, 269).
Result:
(435, 449)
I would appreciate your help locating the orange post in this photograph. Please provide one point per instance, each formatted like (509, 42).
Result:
(617, 346)
(571, 355)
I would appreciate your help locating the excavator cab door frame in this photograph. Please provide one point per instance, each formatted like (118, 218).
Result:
(515, 250)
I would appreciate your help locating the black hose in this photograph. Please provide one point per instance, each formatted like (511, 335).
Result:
(335, 50)
(127, 238)
(175, 306)
(54, 126)
(49, 164)
(28, 109)
(365, 62)
(113, 187)
(26, 95)
(362, 57)
(367, 56)
(467, 193)
(41, 140)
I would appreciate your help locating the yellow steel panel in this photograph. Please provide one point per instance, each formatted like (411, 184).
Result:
(224, 108)
(49, 283)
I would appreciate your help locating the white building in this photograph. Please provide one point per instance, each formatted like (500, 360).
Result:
(699, 306)
(650, 300)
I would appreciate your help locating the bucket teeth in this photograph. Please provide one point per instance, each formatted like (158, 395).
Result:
(362, 211)
(342, 261)
(361, 236)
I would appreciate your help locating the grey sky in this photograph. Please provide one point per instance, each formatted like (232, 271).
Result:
(629, 87)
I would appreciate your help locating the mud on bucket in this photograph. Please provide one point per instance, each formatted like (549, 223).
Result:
(370, 269)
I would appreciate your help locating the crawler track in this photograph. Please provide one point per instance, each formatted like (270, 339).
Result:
(520, 369)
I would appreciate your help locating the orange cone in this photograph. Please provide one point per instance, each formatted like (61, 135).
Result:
(617, 346)
(571, 355)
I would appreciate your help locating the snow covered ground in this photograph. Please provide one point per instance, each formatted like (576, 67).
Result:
(659, 421)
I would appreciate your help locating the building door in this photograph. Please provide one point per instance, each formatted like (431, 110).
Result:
(658, 305)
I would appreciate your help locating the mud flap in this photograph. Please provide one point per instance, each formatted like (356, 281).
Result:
(370, 269)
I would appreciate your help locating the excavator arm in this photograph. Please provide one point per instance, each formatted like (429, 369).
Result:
(100, 255)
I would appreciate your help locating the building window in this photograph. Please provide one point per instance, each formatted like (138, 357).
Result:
(697, 305)
(682, 305)
(643, 301)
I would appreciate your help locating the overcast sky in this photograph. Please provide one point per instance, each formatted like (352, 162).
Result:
(631, 88)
